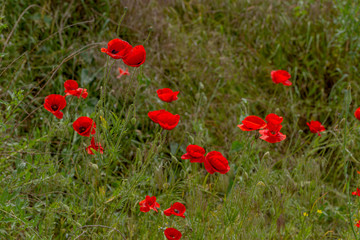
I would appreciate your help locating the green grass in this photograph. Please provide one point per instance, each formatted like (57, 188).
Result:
(219, 55)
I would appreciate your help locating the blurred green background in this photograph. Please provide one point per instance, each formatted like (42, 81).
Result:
(219, 55)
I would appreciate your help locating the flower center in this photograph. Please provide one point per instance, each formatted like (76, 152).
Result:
(82, 129)
(176, 211)
(54, 107)
(114, 51)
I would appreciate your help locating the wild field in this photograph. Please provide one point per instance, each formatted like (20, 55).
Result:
(219, 55)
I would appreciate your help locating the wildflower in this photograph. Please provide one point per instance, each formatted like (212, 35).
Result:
(281, 76)
(135, 57)
(358, 224)
(356, 193)
(54, 103)
(123, 72)
(172, 234)
(177, 209)
(357, 113)
(164, 118)
(95, 146)
(272, 133)
(72, 88)
(316, 127)
(84, 126)
(216, 162)
(319, 211)
(305, 214)
(117, 48)
(149, 203)
(167, 95)
(195, 153)
(251, 123)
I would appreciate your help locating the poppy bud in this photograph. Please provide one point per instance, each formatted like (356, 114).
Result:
(261, 183)
(191, 139)
(133, 121)
(94, 166)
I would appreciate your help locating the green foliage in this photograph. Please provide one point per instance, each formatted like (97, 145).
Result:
(219, 55)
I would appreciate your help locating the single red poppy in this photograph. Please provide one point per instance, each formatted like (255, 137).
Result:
(356, 193)
(149, 203)
(167, 95)
(72, 88)
(54, 103)
(135, 57)
(177, 209)
(216, 162)
(316, 127)
(165, 119)
(281, 76)
(84, 126)
(357, 113)
(172, 234)
(117, 48)
(272, 137)
(195, 153)
(251, 123)
(123, 72)
(358, 224)
(94, 146)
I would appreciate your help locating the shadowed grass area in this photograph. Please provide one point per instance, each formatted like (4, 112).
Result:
(219, 55)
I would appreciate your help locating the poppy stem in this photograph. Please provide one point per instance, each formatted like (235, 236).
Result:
(122, 17)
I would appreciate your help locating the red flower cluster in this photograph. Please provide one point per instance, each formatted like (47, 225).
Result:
(72, 88)
(213, 162)
(177, 209)
(120, 49)
(270, 129)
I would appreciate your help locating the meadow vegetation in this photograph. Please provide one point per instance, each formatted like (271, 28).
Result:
(219, 55)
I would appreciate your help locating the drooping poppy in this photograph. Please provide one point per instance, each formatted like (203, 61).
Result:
(272, 137)
(54, 103)
(72, 88)
(357, 113)
(281, 76)
(94, 146)
(177, 209)
(135, 57)
(216, 162)
(149, 203)
(165, 119)
(251, 123)
(167, 95)
(84, 126)
(316, 127)
(356, 193)
(172, 234)
(123, 72)
(195, 153)
(117, 48)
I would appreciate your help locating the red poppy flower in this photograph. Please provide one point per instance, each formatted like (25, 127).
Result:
(357, 113)
(135, 57)
(358, 224)
(356, 193)
(281, 76)
(316, 127)
(177, 209)
(84, 126)
(94, 146)
(72, 88)
(167, 95)
(117, 48)
(216, 162)
(165, 119)
(251, 123)
(195, 153)
(272, 133)
(172, 234)
(149, 203)
(272, 137)
(123, 72)
(54, 103)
